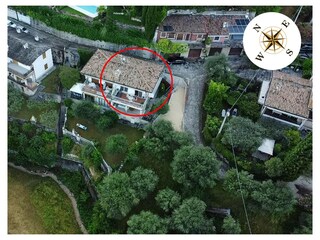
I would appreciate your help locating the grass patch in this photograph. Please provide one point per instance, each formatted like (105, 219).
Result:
(72, 11)
(51, 82)
(260, 222)
(94, 134)
(25, 215)
(126, 20)
(26, 113)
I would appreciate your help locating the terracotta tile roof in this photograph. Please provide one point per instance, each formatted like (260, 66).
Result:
(124, 70)
(199, 23)
(289, 93)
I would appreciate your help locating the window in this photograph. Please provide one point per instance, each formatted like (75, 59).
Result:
(109, 85)
(138, 93)
(216, 38)
(123, 89)
(200, 36)
(171, 35)
(46, 66)
(163, 35)
(179, 36)
(188, 36)
(44, 55)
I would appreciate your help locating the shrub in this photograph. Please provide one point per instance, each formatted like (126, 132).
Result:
(211, 128)
(117, 144)
(67, 144)
(163, 110)
(68, 102)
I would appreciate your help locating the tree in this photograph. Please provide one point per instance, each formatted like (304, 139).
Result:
(91, 156)
(217, 68)
(274, 167)
(168, 199)
(231, 184)
(67, 144)
(86, 109)
(231, 226)
(116, 195)
(189, 217)
(299, 159)
(249, 106)
(117, 144)
(211, 128)
(143, 181)
(275, 199)
(195, 166)
(166, 46)
(49, 118)
(104, 122)
(146, 223)
(292, 136)
(217, 93)
(69, 76)
(152, 16)
(243, 134)
(15, 100)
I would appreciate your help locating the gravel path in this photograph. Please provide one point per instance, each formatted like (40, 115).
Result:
(195, 78)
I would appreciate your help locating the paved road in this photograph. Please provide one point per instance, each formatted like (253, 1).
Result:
(53, 40)
(195, 77)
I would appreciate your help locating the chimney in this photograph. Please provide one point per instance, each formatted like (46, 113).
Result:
(36, 38)
(25, 46)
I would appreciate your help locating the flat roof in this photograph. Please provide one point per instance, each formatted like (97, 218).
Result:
(267, 146)
(289, 93)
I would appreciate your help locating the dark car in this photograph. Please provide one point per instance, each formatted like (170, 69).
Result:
(176, 60)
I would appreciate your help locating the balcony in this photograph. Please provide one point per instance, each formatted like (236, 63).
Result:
(94, 90)
(18, 70)
(131, 101)
(115, 96)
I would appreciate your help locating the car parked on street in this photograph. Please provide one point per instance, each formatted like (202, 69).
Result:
(176, 60)
(22, 29)
(11, 24)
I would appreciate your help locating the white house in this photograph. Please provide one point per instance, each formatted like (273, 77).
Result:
(28, 61)
(288, 99)
(128, 83)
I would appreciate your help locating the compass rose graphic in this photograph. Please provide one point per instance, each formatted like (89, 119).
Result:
(272, 41)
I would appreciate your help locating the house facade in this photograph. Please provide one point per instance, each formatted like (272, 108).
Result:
(28, 62)
(225, 30)
(128, 83)
(287, 98)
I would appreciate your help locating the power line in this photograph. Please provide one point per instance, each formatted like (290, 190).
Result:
(240, 187)
(228, 113)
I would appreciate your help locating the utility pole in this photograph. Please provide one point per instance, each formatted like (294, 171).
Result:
(223, 122)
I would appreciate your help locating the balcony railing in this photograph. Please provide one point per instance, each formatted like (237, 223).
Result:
(117, 96)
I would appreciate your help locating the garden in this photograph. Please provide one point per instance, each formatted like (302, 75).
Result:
(31, 211)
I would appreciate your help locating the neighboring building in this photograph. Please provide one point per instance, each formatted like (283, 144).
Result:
(287, 98)
(128, 83)
(28, 62)
(224, 28)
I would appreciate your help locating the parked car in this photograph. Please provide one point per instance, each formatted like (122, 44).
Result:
(11, 24)
(176, 60)
(23, 29)
(81, 126)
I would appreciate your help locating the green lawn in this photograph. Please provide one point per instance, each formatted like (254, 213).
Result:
(31, 211)
(51, 82)
(259, 221)
(126, 20)
(72, 11)
(94, 134)
(26, 113)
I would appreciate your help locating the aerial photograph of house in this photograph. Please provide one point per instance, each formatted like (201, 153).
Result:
(154, 120)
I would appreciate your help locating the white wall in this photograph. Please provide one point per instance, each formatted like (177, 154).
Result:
(38, 64)
(155, 90)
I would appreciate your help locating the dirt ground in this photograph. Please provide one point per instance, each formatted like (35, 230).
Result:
(176, 108)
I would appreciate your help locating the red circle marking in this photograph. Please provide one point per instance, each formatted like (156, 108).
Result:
(144, 114)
